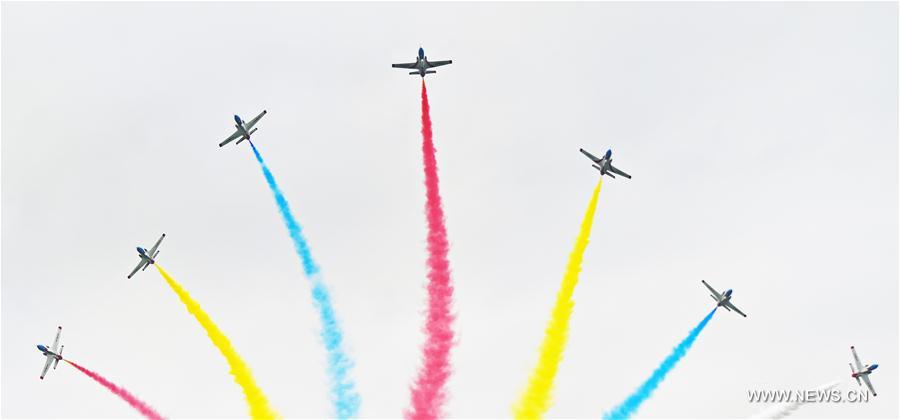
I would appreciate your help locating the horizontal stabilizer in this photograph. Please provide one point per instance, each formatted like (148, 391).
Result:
(430, 71)
(413, 72)
(598, 168)
(253, 130)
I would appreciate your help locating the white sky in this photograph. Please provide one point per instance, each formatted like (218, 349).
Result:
(762, 139)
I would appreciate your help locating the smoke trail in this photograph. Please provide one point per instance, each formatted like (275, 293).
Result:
(343, 391)
(536, 399)
(133, 401)
(631, 404)
(783, 410)
(256, 400)
(427, 393)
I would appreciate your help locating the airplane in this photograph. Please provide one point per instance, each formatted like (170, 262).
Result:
(863, 372)
(147, 257)
(52, 355)
(421, 65)
(604, 164)
(243, 129)
(723, 300)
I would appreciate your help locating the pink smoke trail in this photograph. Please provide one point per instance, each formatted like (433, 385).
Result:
(428, 393)
(137, 404)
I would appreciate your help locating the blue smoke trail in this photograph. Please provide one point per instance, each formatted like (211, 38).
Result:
(631, 404)
(343, 392)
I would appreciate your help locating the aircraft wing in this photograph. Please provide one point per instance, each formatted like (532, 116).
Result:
(859, 366)
(139, 266)
(439, 63)
(46, 365)
(255, 120)
(56, 340)
(156, 245)
(616, 170)
(404, 66)
(590, 156)
(714, 292)
(865, 379)
(237, 133)
(734, 308)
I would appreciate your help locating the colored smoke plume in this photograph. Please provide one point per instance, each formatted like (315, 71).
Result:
(256, 400)
(427, 394)
(344, 397)
(631, 404)
(536, 399)
(133, 401)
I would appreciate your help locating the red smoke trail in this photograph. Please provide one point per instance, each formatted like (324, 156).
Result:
(138, 405)
(428, 391)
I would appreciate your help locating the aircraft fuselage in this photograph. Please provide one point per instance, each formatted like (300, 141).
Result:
(422, 66)
(726, 297)
(604, 163)
(240, 127)
(868, 371)
(422, 62)
(46, 352)
(143, 254)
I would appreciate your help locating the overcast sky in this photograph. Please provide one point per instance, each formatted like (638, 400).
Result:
(762, 139)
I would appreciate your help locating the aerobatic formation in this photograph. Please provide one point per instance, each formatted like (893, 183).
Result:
(428, 393)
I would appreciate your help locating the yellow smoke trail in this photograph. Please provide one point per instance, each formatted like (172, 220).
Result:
(257, 402)
(536, 399)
